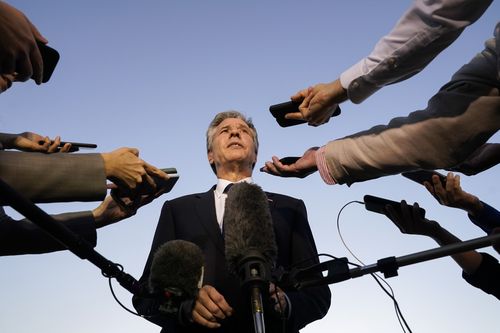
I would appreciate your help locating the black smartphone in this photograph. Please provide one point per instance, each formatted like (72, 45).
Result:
(377, 205)
(75, 146)
(280, 110)
(289, 160)
(50, 59)
(166, 185)
(131, 200)
(421, 176)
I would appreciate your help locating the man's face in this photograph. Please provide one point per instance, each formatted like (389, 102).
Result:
(233, 142)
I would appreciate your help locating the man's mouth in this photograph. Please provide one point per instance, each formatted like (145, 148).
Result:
(235, 144)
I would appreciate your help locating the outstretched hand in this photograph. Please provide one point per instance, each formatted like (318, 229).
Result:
(32, 142)
(452, 194)
(301, 168)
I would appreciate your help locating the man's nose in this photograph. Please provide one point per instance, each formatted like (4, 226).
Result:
(234, 132)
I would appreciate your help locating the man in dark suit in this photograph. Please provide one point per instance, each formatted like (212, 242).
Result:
(232, 147)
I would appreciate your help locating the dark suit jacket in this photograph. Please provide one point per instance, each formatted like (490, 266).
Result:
(25, 237)
(192, 218)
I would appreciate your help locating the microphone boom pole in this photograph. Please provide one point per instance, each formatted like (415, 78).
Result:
(66, 237)
(338, 268)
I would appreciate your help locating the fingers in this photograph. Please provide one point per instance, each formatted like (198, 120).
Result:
(54, 146)
(67, 148)
(278, 298)
(24, 69)
(154, 171)
(37, 65)
(300, 95)
(210, 307)
(5, 82)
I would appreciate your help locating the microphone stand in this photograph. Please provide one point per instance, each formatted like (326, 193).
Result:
(66, 237)
(338, 269)
(254, 275)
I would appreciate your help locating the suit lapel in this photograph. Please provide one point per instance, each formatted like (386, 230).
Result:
(205, 209)
(270, 201)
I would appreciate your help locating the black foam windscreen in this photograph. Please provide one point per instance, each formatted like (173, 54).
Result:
(177, 264)
(248, 226)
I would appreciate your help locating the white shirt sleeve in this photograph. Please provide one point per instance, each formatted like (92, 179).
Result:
(426, 29)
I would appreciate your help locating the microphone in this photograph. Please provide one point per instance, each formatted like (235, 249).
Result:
(250, 246)
(176, 273)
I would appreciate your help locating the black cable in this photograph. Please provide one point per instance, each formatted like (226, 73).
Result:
(376, 277)
(114, 295)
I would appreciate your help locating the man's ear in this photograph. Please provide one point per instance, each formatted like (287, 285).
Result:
(210, 157)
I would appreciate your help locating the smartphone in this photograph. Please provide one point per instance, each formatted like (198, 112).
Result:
(421, 176)
(166, 185)
(289, 160)
(131, 200)
(50, 58)
(75, 146)
(280, 110)
(377, 205)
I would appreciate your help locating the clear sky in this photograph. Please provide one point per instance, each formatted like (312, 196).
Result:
(152, 74)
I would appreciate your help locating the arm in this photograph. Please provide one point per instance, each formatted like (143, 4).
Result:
(485, 157)
(480, 213)
(426, 29)
(438, 137)
(29, 141)
(56, 177)
(411, 222)
(487, 276)
(78, 177)
(25, 237)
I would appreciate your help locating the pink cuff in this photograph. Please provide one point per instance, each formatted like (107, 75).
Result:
(323, 168)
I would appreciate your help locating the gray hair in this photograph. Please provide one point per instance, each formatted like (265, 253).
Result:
(219, 118)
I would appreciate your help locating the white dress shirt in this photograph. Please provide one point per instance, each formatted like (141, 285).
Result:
(220, 197)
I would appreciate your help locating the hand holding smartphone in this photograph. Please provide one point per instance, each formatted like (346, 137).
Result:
(280, 110)
(133, 200)
(50, 58)
(421, 176)
(377, 205)
(75, 146)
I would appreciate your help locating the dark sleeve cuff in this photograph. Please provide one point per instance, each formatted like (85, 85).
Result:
(488, 219)
(487, 276)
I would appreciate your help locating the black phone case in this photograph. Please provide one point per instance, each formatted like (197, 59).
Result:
(280, 110)
(289, 160)
(167, 184)
(420, 176)
(50, 59)
(377, 205)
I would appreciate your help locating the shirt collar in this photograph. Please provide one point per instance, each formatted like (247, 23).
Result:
(222, 183)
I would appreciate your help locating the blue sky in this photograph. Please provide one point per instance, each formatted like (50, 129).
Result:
(152, 74)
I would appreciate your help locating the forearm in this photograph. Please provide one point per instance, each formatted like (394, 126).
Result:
(419, 36)
(469, 261)
(55, 177)
(435, 138)
(25, 237)
(6, 140)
